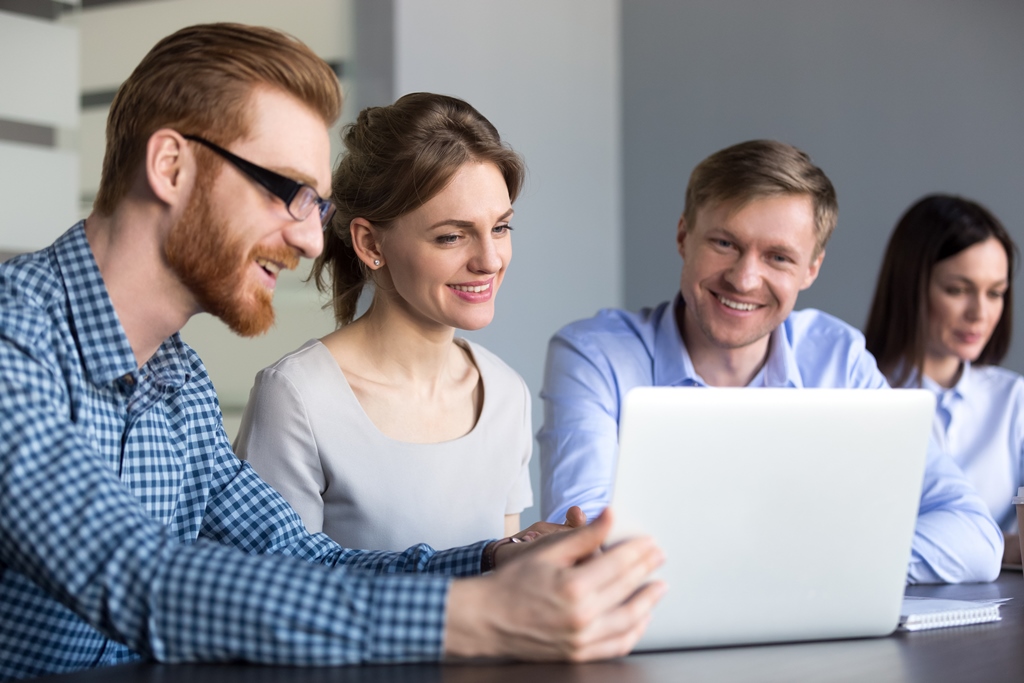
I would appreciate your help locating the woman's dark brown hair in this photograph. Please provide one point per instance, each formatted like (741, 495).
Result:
(397, 158)
(935, 228)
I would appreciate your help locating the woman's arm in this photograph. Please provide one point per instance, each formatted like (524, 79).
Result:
(276, 438)
(955, 540)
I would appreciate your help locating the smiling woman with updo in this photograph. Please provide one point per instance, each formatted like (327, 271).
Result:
(392, 431)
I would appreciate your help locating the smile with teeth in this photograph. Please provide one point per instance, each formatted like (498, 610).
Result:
(475, 289)
(735, 305)
(271, 267)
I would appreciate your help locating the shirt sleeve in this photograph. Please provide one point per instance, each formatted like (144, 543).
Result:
(579, 438)
(864, 372)
(247, 589)
(520, 496)
(276, 438)
(955, 540)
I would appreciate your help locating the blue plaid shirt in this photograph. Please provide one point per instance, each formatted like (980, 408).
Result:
(128, 527)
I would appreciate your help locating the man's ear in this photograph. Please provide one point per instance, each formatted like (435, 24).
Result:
(813, 270)
(170, 167)
(366, 241)
(681, 236)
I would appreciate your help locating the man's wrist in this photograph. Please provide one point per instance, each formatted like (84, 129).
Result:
(467, 631)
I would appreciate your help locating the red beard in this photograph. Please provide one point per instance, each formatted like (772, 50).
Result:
(202, 253)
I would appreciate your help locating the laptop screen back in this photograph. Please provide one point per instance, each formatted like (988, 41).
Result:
(785, 514)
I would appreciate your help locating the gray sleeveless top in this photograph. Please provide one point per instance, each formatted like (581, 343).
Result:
(305, 432)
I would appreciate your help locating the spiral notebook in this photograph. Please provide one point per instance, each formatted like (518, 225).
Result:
(919, 614)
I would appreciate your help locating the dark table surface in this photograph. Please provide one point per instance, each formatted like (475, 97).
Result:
(985, 652)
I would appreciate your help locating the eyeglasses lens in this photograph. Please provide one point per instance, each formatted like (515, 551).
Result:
(305, 200)
(326, 214)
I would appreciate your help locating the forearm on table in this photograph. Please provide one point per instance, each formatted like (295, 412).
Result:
(954, 546)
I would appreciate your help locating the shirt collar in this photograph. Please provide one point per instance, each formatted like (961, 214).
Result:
(673, 366)
(781, 369)
(106, 352)
(959, 391)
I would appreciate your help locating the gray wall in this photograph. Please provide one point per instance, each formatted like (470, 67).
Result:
(546, 74)
(892, 99)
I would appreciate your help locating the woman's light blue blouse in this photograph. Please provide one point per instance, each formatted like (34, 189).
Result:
(979, 422)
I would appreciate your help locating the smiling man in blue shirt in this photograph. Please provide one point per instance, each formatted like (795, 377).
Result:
(752, 237)
(128, 528)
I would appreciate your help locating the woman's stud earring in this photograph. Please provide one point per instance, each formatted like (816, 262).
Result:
(376, 261)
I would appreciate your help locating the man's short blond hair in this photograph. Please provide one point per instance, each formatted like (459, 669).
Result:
(758, 169)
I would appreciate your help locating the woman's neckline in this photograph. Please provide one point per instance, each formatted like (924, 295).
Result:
(465, 344)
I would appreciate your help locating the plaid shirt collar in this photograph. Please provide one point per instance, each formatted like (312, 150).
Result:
(106, 352)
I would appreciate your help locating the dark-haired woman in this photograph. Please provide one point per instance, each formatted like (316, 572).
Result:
(391, 431)
(941, 319)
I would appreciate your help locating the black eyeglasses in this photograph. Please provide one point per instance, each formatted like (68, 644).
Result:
(300, 198)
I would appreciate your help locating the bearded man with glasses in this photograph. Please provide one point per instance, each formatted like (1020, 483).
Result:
(128, 529)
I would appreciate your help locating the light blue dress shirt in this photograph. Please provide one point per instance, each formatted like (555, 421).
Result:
(979, 422)
(593, 363)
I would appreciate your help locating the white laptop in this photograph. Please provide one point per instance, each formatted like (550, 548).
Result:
(784, 514)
